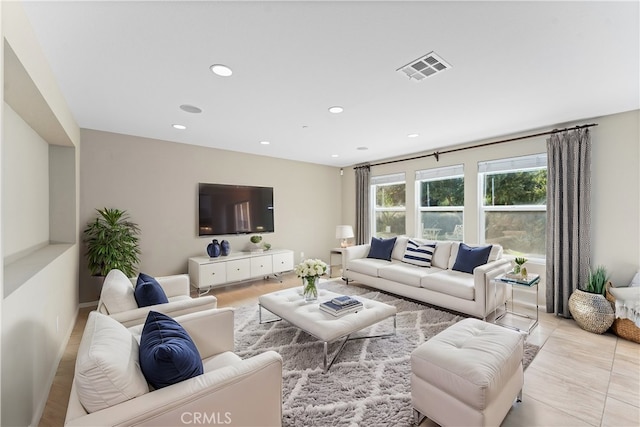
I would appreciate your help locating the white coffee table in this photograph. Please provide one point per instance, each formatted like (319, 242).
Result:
(290, 305)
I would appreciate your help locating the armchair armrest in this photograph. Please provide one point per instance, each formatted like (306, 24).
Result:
(175, 285)
(211, 330)
(173, 308)
(221, 395)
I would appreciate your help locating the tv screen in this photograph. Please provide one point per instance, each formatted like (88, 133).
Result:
(234, 209)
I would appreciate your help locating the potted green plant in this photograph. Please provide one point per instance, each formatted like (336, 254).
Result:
(255, 240)
(589, 307)
(112, 243)
(518, 268)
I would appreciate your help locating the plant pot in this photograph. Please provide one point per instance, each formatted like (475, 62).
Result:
(592, 312)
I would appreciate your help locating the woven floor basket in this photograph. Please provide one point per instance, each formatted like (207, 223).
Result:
(592, 312)
(624, 328)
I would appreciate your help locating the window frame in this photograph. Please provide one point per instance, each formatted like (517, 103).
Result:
(431, 175)
(526, 163)
(385, 180)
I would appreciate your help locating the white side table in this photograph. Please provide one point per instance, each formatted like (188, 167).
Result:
(519, 315)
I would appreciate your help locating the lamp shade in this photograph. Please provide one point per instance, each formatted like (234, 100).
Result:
(344, 232)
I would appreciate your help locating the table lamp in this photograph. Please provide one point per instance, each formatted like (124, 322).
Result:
(344, 233)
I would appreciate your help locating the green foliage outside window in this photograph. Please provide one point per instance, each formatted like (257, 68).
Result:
(443, 192)
(388, 196)
(516, 188)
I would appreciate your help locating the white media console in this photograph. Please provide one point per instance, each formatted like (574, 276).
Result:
(207, 273)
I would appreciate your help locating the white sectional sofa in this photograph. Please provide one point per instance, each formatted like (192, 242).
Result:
(437, 285)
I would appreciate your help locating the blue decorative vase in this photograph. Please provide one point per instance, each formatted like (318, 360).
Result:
(213, 249)
(225, 248)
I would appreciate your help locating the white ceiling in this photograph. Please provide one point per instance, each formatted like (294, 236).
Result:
(126, 67)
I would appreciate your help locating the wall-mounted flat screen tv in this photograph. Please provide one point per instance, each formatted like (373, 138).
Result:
(234, 209)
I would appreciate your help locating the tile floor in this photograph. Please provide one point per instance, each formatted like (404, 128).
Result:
(577, 379)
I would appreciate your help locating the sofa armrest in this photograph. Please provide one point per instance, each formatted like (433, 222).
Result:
(221, 395)
(482, 277)
(355, 252)
(174, 308)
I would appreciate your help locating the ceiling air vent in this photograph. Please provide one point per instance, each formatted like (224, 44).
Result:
(426, 66)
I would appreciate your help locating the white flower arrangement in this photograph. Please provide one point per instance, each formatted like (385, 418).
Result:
(310, 268)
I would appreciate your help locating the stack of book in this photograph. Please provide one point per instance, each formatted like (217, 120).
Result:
(339, 306)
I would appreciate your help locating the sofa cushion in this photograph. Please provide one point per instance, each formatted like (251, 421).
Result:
(469, 258)
(418, 254)
(495, 254)
(168, 355)
(399, 247)
(368, 266)
(449, 282)
(107, 371)
(117, 293)
(148, 291)
(406, 274)
(441, 255)
(381, 248)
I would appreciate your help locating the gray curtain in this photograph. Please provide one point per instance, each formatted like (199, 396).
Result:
(568, 216)
(363, 227)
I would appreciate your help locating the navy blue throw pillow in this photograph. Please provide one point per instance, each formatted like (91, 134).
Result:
(168, 355)
(469, 258)
(148, 291)
(381, 248)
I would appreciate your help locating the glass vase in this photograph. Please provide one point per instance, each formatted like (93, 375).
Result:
(310, 288)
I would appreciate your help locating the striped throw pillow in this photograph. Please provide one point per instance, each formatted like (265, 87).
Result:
(419, 254)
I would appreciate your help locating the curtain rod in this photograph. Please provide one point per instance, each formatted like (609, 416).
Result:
(437, 154)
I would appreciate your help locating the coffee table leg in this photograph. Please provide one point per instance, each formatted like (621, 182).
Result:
(326, 366)
(260, 308)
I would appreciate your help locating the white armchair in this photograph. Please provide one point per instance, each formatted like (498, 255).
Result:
(231, 391)
(118, 301)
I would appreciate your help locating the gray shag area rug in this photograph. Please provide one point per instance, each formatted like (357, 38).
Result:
(368, 384)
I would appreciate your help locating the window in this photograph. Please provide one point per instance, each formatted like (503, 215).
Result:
(389, 211)
(440, 204)
(513, 210)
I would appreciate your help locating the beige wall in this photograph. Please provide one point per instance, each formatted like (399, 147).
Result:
(157, 183)
(26, 194)
(615, 192)
(39, 314)
(615, 196)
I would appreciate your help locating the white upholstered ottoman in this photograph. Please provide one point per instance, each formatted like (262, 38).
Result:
(467, 375)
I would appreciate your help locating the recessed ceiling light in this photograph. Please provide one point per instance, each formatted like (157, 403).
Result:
(336, 109)
(181, 127)
(221, 70)
(362, 148)
(265, 142)
(413, 135)
(334, 155)
(190, 108)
